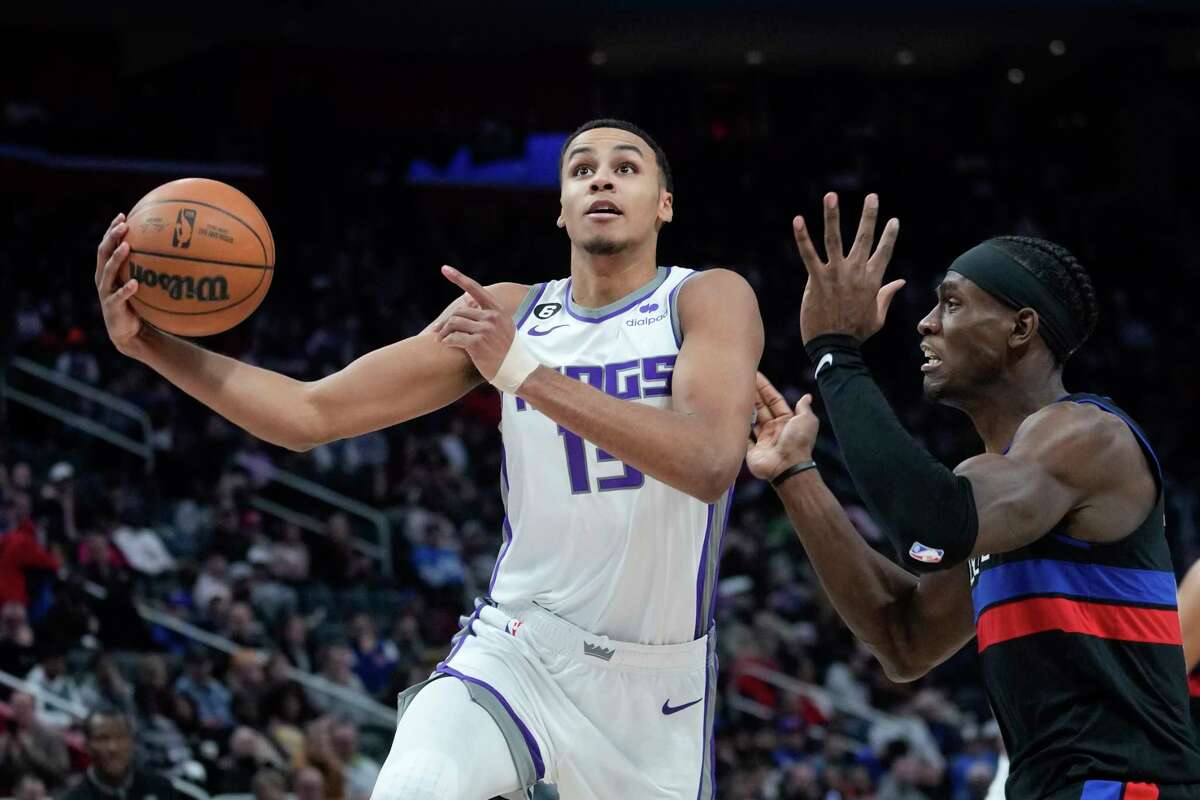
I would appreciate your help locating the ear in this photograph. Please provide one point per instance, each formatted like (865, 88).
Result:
(560, 222)
(666, 206)
(1025, 328)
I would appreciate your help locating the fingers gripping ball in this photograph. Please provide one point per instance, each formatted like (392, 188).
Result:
(202, 254)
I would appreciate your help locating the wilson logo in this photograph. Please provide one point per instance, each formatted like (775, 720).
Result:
(206, 290)
(185, 223)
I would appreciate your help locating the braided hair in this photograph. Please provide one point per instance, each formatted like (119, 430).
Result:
(1054, 265)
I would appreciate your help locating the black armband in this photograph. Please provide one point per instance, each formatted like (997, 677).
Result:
(926, 510)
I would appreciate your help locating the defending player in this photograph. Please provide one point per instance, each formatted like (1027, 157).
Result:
(627, 392)
(1069, 587)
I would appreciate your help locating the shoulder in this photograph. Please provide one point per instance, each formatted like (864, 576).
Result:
(1078, 443)
(510, 295)
(718, 294)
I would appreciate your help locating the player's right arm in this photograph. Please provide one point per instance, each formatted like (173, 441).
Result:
(382, 388)
(911, 625)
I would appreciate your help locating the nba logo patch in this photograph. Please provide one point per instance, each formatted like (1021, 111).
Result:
(927, 555)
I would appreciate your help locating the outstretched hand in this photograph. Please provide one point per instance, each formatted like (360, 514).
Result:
(782, 437)
(844, 295)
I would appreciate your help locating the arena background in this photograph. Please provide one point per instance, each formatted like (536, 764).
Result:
(148, 544)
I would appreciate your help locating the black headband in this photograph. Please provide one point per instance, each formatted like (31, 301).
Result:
(1007, 279)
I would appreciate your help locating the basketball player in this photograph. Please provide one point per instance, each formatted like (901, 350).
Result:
(627, 392)
(1048, 548)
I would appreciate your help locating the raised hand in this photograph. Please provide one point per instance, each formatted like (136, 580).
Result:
(480, 326)
(783, 437)
(843, 295)
(121, 321)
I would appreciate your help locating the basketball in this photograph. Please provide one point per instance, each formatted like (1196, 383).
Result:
(202, 254)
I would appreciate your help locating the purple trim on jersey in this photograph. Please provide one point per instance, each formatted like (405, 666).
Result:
(672, 307)
(506, 532)
(535, 752)
(466, 632)
(712, 608)
(528, 311)
(657, 283)
(504, 465)
(703, 569)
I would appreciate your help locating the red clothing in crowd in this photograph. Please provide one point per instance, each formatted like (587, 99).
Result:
(19, 551)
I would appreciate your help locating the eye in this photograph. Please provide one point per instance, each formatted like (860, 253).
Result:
(951, 303)
(628, 168)
(581, 170)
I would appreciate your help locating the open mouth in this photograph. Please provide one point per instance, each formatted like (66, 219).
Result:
(603, 208)
(932, 359)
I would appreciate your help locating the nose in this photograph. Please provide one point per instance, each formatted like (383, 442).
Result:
(602, 183)
(930, 324)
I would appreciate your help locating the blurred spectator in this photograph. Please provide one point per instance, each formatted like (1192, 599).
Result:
(20, 551)
(109, 736)
(294, 642)
(359, 771)
(143, 549)
(375, 659)
(289, 555)
(27, 745)
(106, 686)
(213, 582)
(212, 700)
(337, 667)
(241, 627)
(163, 745)
(268, 784)
(246, 679)
(30, 787)
(338, 563)
(309, 784)
(51, 677)
(286, 709)
(249, 753)
(17, 651)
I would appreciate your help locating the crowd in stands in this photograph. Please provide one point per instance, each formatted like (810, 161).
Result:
(89, 540)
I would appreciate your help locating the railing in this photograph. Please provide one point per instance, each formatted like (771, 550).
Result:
(380, 551)
(143, 448)
(377, 712)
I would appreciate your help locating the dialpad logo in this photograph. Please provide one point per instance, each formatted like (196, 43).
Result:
(185, 223)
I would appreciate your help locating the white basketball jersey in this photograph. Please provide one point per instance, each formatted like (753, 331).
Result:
(586, 536)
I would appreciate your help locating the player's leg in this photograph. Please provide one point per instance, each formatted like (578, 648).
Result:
(446, 746)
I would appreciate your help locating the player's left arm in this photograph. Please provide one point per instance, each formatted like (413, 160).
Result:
(1189, 615)
(697, 444)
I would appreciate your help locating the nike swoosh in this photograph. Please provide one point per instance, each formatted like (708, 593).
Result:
(668, 709)
(535, 332)
(825, 361)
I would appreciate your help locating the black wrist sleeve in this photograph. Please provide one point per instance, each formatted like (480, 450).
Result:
(926, 510)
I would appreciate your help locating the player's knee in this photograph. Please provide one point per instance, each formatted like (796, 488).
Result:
(419, 774)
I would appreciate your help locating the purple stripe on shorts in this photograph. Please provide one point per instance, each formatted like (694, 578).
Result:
(535, 752)
(528, 311)
(466, 631)
(506, 529)
(703, 570)
(656, 283)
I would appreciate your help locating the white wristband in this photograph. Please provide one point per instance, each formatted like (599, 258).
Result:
(515, 368)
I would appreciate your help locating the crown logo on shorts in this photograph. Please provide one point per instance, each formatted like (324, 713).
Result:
(596, 650)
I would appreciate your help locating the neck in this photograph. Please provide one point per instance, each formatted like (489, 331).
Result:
(113, 782)
(998, 412)
(597, 281)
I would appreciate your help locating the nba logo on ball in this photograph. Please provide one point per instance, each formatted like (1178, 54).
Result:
(927, 555)
(184, 223)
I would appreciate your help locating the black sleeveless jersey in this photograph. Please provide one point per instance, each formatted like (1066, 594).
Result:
(1082, 658)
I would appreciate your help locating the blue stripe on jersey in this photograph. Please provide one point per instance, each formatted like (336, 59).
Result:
(1083, 581)
(1102, 790)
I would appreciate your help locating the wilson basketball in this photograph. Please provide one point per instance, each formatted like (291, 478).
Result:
(202, 254)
